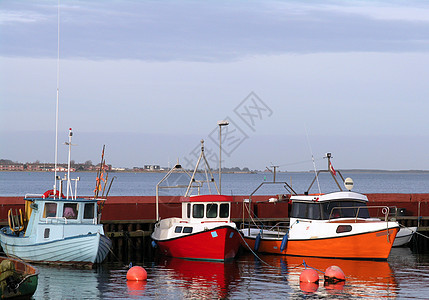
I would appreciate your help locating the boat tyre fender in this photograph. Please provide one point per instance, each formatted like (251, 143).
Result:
(257, 242)
(49, 193)
(284, 242)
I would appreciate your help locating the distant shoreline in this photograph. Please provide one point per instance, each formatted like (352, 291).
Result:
(362, 171)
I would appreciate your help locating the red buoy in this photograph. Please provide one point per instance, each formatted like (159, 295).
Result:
(309, 275)
(136, 273)
(334, 274)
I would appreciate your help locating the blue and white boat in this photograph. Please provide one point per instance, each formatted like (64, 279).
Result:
(57, 229)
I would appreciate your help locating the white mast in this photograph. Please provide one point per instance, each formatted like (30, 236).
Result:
(68, 165)
(58, 96)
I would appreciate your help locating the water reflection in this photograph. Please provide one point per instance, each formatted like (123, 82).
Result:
(61, 282)
(363, 278)
(202, 279)
(405, 274)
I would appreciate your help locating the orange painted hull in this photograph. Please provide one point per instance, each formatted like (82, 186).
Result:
(371, 245)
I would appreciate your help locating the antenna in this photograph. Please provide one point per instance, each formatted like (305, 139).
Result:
(312, 158)
(274, 173)
(69, 144)
(57, 103)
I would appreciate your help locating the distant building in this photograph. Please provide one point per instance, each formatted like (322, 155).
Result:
(12, 167)
(152, 168)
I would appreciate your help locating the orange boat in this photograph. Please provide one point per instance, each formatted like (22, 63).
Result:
(334, 225)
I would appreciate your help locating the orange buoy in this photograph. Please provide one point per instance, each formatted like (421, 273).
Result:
(136, 273)
(334, 274)
(309, 275)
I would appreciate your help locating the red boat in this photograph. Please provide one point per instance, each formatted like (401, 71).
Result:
(205, 230)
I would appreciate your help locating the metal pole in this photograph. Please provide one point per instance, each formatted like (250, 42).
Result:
(220, 157)
(221, 123)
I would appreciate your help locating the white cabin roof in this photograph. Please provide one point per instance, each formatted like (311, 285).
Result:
(330, 197)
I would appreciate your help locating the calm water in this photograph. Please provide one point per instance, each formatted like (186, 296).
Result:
(135, 184)
(405, 275)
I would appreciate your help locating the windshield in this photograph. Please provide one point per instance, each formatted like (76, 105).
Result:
(322, 210)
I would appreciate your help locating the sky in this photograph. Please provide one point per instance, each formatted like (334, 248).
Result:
(150, 79)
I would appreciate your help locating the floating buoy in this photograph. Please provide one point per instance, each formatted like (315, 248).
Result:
(334, 274)
(136, 273)
(284, 242)
(257, 242)
(309, 275)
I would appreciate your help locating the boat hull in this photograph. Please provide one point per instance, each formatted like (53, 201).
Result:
(219, 243)
(367, 245)
(404, 236)
(28, 276)
(77, 250)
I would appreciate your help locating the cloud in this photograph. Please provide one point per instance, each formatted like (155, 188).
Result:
(212, 31)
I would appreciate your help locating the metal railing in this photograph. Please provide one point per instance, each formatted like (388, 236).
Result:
(385, 210)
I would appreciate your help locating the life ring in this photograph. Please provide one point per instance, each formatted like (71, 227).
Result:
(49, 193)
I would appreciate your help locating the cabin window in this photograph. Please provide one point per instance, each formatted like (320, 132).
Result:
(187, 230)
(314, 211)
(211, 210)
(198, 211)
(46, 233)
(224, 210)
(88, 211)
(70, 211)
(178, 229)
(303, 210)
(344, 228)
(50, 210)
(188, 208)
(345, 209)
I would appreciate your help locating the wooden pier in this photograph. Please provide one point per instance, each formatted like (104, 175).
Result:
(129, 220)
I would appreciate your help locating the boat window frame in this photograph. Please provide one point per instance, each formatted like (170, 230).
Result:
(333, 209)
(187, 229)
(304, 208)
(222, 211)
(346, 209)
(343, 228)
(48, 214)
(72, 213)
(212, 210)
(200, 211)
(86, 215)
(178, 229)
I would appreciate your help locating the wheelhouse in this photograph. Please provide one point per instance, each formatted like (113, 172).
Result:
(318, 208)
(67, 211)
(207, 208)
